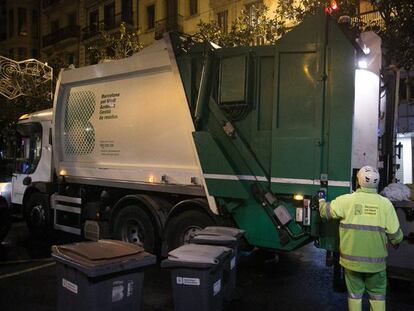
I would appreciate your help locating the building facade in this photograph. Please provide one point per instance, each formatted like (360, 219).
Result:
(63, 29)
(19, 29)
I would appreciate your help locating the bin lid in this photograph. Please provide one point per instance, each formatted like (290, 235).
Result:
(235, 232)
(224, 240)
(103, 256)
(196, 253)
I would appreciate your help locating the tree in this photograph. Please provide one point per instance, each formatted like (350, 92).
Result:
(115, 45)
(396, 29)
(250, 28)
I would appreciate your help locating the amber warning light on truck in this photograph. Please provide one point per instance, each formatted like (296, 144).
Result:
(332, 7)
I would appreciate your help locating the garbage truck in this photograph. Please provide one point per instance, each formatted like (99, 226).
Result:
(182, 135)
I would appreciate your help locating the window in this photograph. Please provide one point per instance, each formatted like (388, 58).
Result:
(22, 53)
(35, 24)
(253, 10)
(72, 19)
(193, 7)
(109, 16)
(28, 147)
(11, 23)
(94, 21)
(151, 16)
(22, 19)
(11, 53)
(127, 11)
(70, 58)
(54, 25)
(222, 21)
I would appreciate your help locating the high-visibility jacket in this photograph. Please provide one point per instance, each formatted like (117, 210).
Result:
(366, 220)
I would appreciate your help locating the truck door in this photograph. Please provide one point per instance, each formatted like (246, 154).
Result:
(27, 157)
(297, 123)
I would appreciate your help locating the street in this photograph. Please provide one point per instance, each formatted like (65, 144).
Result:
(299, 281)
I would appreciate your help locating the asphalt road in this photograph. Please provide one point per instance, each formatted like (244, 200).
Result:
(298, 281)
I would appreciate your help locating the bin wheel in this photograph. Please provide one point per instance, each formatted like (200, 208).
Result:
(37, 215)
(182, 228)
(5, 221)
(133, 225)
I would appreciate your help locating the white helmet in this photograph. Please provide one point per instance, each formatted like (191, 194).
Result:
(368, 177)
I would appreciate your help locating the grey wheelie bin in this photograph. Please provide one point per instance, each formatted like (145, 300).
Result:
(228, 237)
(102, 275)
(197, 276)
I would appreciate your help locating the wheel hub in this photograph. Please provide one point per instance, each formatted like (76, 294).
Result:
(38, 215)
(130, 232)
(190, 233)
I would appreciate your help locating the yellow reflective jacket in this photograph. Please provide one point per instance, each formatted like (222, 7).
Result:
(366, 220)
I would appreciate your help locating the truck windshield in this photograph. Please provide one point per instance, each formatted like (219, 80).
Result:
(28, 147)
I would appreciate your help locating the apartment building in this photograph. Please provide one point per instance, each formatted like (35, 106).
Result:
(64, 28)
(19, 29)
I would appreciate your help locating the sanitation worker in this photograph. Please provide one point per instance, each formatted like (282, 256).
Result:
(367, 221)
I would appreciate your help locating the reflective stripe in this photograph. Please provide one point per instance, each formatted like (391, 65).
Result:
(362, 227)
(355, 296)
(376, 297)
(364, 259)
(328, 210)
(395, 235)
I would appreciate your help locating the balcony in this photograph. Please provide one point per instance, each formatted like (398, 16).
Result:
(108, 24)
(171, 23)
(61, 34)
(371, 18)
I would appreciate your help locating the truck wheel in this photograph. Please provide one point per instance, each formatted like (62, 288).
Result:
(182, 228)
(5, 221)
(36, 213)
(133, 225)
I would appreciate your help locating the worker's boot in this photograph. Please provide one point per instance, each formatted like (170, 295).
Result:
(377, 304)
(354, 304)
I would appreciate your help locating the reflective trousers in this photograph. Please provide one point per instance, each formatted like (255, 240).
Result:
(375, 284)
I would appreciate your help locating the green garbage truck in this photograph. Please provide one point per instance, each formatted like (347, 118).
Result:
(182, 135)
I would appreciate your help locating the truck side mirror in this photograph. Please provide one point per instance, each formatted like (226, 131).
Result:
(27, 180)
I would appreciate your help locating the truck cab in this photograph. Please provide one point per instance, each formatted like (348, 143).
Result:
(33, 164)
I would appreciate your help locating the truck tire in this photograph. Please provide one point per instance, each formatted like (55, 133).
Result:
(132, 224)
(183, 227)
(5, 220)
(36, 214)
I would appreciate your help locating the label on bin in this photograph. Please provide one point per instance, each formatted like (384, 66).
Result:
(130, 288)
(117, 291)
(233, 263)
(70, 286)
(188, 281)
(217, 287)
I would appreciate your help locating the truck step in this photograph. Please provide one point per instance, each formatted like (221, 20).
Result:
(67, 213)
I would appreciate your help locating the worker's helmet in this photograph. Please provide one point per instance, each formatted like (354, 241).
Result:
(368, 177)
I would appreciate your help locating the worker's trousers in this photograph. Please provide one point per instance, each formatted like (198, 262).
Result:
(375, 284)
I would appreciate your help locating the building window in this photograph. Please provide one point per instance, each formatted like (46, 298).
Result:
(222, 21)
(22, 53)
(3, 23)
(193, 7)
(127, 11)
(151, 16)
(35, 24)
(109, 16)
(94, 21)
(54, 25)
(71, 58)
(253, 9)
(72, 19)
(11, 53)
(22, 19)
(11, 23)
